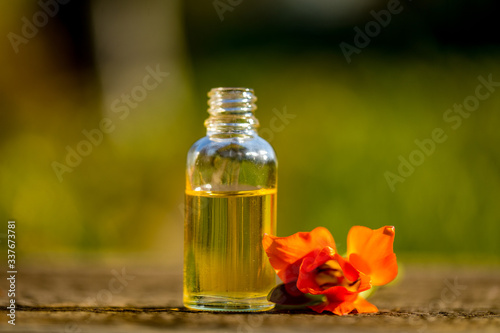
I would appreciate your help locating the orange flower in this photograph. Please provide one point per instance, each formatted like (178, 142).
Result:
(308, 263)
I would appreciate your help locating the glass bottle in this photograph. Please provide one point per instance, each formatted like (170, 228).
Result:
(231, 186)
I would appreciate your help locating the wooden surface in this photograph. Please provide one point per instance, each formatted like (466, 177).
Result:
(89, 298)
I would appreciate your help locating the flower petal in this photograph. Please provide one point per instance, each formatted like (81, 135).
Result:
(286, 253)
(349, 271)
(306, 282)
(371, 252)
(339, 308)
(345, 307)
(339, 301)
(363, 306)
(352, 274)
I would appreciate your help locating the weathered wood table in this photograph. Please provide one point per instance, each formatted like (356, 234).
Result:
(139, 298)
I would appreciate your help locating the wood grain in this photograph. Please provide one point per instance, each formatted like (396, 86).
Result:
(141, 298)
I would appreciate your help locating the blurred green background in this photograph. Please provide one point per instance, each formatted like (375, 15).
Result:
(65, 70)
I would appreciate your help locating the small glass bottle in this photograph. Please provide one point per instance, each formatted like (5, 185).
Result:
(231, 186)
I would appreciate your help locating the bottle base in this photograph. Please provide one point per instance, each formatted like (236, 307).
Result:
(210, 303)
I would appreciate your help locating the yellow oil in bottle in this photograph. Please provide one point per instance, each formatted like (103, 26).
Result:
(225, 265)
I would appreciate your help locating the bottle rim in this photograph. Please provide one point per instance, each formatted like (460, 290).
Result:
(226, 89)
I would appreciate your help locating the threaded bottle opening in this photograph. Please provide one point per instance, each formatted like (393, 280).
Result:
(231, 100)
(231, 111)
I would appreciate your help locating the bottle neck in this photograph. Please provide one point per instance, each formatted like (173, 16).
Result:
(231, 113)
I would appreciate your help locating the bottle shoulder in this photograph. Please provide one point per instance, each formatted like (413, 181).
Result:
(231, 164)
(254, 148)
